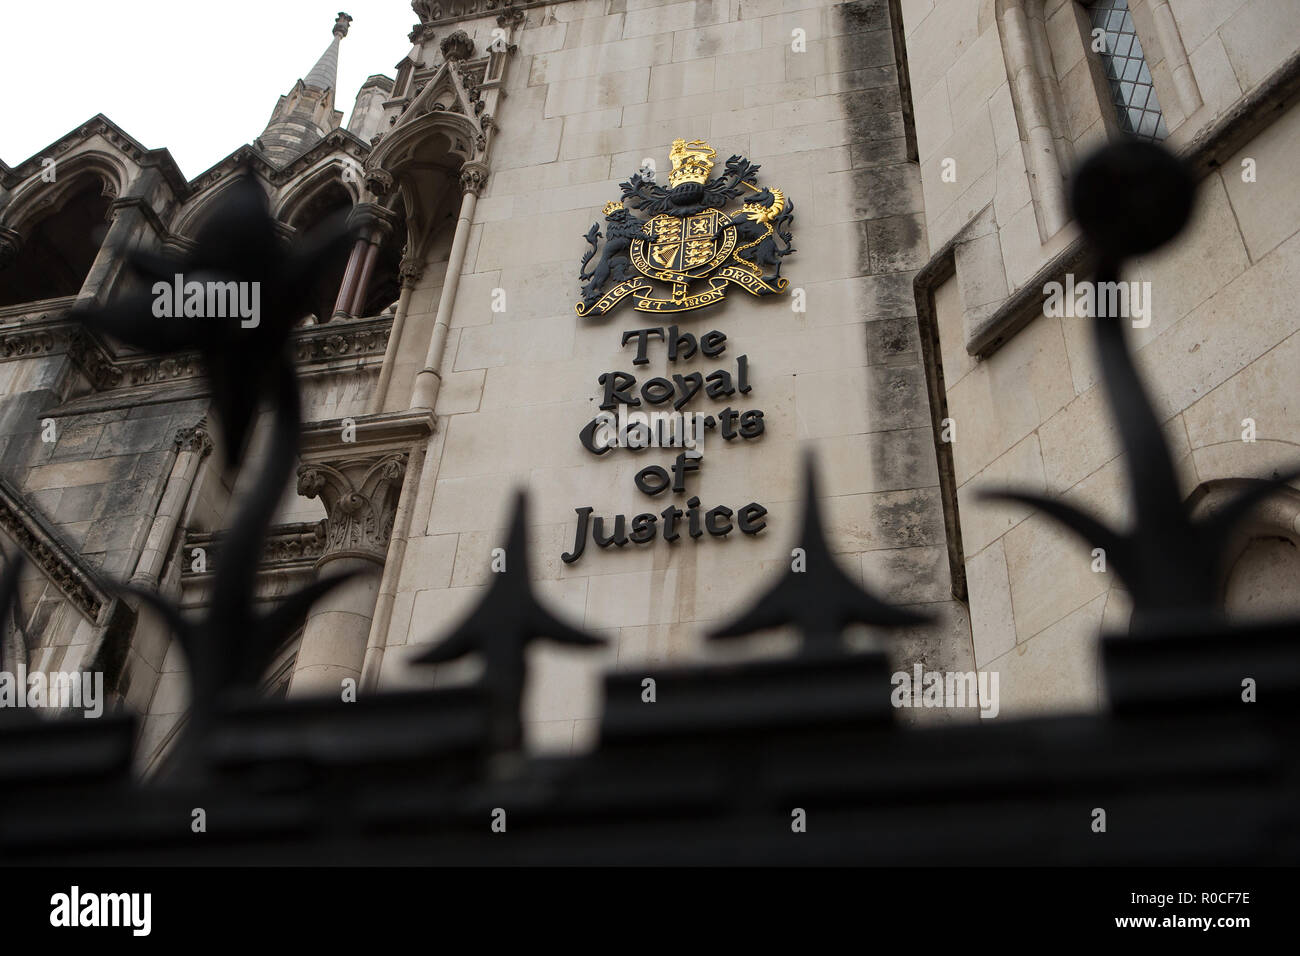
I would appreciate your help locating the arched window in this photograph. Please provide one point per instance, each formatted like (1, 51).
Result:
(327, 201)
(1132, 92)
(58, 249)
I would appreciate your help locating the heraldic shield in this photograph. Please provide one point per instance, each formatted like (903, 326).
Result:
(688, 237)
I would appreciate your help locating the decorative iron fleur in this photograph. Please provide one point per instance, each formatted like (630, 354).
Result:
(1130, 198)
(230, 644)
(239, 243)
(500, 628)
(819, 599)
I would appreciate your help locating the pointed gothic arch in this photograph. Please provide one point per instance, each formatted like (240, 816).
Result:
(54, 234)
(326, 178)
(422, 158)
(201, 206)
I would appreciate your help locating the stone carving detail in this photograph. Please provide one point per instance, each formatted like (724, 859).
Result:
(333, 343)
(457, 46)
(90, 358)
(11, 243)
(195, 439)
(510, 15)
(18, 344)
(368, 339)
(288, 547)
(160, 370)
(291, 546)
(360, 498)
(410, 271)
(446, 11)
(469, 79)
(379, 181)
(60, 565)
(473, 177)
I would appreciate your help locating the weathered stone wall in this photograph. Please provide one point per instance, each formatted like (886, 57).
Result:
(96, 488)
(596, 88)
(1220, 348)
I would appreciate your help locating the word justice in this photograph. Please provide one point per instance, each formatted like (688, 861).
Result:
(716, 521)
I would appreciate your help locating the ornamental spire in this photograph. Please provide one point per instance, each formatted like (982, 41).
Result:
(324, 74)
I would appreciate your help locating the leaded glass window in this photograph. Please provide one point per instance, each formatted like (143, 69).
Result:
(1131, 89)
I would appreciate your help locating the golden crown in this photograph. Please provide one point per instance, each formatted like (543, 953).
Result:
(692, 162)
(611, 206)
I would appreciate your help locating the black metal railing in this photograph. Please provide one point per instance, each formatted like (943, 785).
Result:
(703, 763)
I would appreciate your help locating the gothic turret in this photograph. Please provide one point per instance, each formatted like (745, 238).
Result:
(307, 112)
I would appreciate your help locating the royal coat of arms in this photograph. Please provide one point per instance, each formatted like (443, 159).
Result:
(686, 237)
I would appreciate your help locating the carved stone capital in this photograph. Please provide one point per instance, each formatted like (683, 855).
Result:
(473, 177)
(360, 497)
(410, 271)
(195, 439)
(457, 46)
(510, 15)
(379, 181)
(11, 243)
(372, 220)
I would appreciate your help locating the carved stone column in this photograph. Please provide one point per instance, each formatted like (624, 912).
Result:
(473, 178)
(128, 225)
(360, 497)
(192, 445)
(347, 287)
(373, 224)
(410, 272)
(378, 226)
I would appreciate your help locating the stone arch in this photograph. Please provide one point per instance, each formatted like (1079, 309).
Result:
(198, 209)
(53, 232)
(422, 160)
(1262, 561)
(325, 197)
(36, 199)
(322, 179)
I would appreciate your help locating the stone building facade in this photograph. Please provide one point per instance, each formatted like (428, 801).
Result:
(445, 364)
(1011, 95)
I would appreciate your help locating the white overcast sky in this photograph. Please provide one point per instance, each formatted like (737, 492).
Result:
(197, 78)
